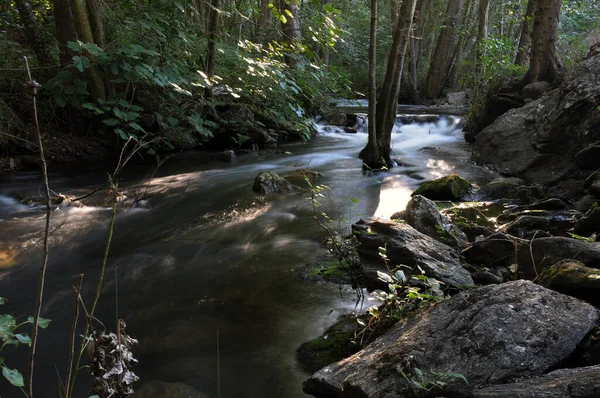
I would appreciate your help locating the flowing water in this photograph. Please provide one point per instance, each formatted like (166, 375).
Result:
(205, 259)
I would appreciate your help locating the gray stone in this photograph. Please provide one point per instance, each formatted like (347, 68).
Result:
(405, 245)
(532, 257)
(573, 278)
(562, 383)
(539, 142)
(589, 223)
(270, 182)
(488, 335)
(457, 99)
(526, 226)
(535, 90)
(423, 215)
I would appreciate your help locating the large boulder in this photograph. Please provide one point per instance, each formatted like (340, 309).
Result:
(407, 246)
(422, 214)
(573, 278)
(589, 223)
(452, 187)
(540, 141)
(532, 257)
(489, 335)
(562, 383)
(270, 182)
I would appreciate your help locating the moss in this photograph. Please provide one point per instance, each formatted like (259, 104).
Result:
(573, 278)
(334, 345)
(329, 270)
(452, 187)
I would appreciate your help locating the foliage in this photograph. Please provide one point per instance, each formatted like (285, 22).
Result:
(406, 292)
(9, 336)
(422, 384)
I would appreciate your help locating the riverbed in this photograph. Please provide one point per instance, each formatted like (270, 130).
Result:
(205, 272)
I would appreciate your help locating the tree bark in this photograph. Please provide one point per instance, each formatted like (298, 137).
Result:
(387, 101)
(84, 32)
(94, 8)
(415, 44)
(263, 20)
(291, 28)
(212, 43)
(525, 39)
(460, 47)
(371, 150)
(32, 30)
(65, 29)
(438, 69)
(482, 33)
(544, 64)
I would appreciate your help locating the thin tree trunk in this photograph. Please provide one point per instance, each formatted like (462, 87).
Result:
(387, 101)
(482, 33)
(438, 69)
(65, 29)
(263, 20)
(212, 43)
(33, 32)
(326, 51)
(84, 32)
(460, 46)
(291, 28)
(371, 151)
(415, 44)
(525, 39)
(544, 64)
(94, 8)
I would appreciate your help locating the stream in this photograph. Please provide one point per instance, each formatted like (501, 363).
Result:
(206, 272)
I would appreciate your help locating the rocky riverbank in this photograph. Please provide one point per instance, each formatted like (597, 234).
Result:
(520, 294)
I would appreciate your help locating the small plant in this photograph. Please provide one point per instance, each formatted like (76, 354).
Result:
(405, 293)
(422, 384)
(9, 336)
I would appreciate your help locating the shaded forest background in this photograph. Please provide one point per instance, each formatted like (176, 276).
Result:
(169, 72)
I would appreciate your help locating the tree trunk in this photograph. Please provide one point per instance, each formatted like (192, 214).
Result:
(544, 64)
(84, 32)
(291, 27)
(32, 30)
(212, 43)
(387, 101)
(460, 47)
(94, 8)
(415, 44)
(371, 151)
(65, 29)
(482, 33)
(525, 40)
(263, 19)
(438, 69)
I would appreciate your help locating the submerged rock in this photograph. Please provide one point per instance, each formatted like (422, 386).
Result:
(334, 345)
(423, 215)
(407, 246)
(162, 389)
(488, 335)
(269, 182)
(452, 187)
(575, 279)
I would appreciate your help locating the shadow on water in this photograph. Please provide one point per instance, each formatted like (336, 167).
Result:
(208, 255)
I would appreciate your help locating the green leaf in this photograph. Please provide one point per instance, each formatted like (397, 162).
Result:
(23, 338)
(136, 126)
(42, 322)
(122, 134)
(123, 103)
(2, 300)
(89, 106)
(7, 325)
(13, 376)
(110, 122)
(353, 200)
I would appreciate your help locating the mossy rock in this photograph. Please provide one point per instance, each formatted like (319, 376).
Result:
(574, 279)
(499, 188)
(452, 187)
(334, 345)
(270, 182)
(328, 270)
